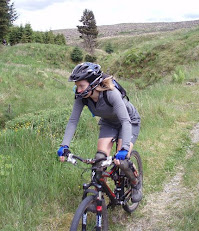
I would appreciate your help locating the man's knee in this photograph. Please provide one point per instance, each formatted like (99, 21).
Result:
(99, 155)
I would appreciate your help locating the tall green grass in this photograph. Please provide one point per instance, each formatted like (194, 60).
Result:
(40, 193)
(36, 188)
(28, 86)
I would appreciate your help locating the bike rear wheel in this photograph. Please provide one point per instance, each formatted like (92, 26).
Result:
(85, 214)
(135, 158)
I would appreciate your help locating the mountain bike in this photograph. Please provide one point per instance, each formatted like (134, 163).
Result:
(92, 212)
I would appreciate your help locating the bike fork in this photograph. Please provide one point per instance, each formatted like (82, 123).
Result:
(84, 221)
(98, 214)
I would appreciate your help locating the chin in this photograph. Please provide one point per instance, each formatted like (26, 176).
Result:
(88, 95)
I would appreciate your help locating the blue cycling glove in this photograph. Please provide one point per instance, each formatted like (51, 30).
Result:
(121, 155)
(60, 152)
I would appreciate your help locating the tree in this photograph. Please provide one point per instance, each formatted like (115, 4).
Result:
(7, 16)
(13, 36)
(20, 33)
(49, 37)
(38, 37)
(60, 39)
(88, 31)
(12, 13)
(24, 38)
(28, 34)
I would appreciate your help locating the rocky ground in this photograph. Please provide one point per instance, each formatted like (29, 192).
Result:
(72, 35)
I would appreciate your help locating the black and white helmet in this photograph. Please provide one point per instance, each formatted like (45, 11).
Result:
(85, 71)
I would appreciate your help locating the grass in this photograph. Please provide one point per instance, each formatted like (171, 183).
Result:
(148, 58)
(188, 217)
(37, 55)
(40, 193)
(25, 88)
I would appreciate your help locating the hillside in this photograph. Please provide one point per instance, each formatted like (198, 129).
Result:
(39, 193)
(143, 59)
(72, 35)
(147, 58)
(146, 53)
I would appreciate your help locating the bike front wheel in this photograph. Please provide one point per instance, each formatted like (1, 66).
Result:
(86, 217)
(135, 158)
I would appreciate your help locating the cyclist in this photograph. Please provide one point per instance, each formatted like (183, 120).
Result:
(118, 119)
(4, 42)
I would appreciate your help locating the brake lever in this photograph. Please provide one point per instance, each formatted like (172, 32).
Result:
(71, 159)
(107, 162)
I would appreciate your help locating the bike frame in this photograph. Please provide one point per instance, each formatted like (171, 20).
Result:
(119, 196)
(100, 183)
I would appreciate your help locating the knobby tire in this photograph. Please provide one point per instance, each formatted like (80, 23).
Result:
(76, 224)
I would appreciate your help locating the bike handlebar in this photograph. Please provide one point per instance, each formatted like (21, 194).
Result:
(72, 159)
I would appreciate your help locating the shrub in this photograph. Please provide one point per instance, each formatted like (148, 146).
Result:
(76, 55)
(90, 58)
(50, 121)
(178, 76)
(109, 48)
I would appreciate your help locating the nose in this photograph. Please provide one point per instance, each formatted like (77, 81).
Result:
(79, 90)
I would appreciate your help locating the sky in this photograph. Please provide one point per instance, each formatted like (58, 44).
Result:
(45, 15)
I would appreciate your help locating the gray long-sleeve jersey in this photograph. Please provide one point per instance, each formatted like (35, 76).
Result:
(121, 115)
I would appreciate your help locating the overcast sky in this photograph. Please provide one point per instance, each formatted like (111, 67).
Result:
(44, 15)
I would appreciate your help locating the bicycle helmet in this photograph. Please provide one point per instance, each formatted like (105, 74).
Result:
(85, 71)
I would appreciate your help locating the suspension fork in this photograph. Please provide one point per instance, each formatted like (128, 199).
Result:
(98, 195)
(99, 211)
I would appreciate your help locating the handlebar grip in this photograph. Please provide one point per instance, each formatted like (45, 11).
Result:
(71, 159)
(66, 152)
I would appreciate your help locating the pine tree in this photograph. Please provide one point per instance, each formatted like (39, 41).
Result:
(13, 36)
(20, 33)
(38, 37)
(88, 31)
(24, 38)
(63, 39)
(4, 19)
(7, 16)
(12, 13)
(60, 39)
(28, 34)
(49, 37)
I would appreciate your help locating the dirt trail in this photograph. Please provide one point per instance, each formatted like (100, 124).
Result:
(161, 207)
